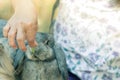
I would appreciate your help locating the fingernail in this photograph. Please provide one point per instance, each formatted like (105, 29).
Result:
(24, 49)
(36, 43)
(15, 47)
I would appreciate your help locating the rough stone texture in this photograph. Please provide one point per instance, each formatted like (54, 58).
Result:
(47, 62)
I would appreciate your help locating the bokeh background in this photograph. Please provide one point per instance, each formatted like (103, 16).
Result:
(44, 9)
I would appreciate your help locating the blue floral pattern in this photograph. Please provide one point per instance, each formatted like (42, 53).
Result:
(88, 31)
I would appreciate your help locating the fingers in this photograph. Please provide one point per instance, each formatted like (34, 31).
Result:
(21, 38)
(6, 30)
(30, 35)
(10, 33)
(11, 37)
(20, 33)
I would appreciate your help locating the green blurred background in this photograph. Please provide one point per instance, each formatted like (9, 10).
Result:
(44, 9)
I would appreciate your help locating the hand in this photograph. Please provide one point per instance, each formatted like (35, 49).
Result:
(21, 26)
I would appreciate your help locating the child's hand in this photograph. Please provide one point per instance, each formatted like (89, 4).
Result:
(21, 26)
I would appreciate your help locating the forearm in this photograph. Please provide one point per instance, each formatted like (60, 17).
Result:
(24, 6)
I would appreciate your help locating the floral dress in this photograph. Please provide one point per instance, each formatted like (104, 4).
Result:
(88, 31)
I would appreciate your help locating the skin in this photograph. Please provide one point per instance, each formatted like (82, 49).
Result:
(22, 26)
